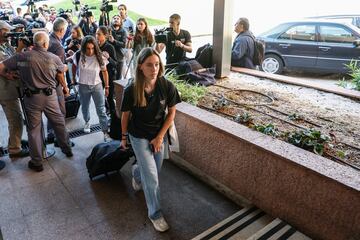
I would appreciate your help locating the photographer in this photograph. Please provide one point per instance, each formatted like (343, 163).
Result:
(87, 24)
(9, 98)
(73, 42)
(118, 39)
(39, 72)
(178, 42)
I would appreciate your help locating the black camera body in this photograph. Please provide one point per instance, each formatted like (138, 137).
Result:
(75, 41)
(26, 37)
(30, 3)
(85, 11)
(106, 7)
(161, 34)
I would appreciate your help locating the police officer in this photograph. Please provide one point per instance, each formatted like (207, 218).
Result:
(178, 42)
(39, 71)
(55, 47)
(9, 99)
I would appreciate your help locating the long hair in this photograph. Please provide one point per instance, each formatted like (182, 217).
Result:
(148, 35)
(78, 31)
(139, 83)
(104, 30)
(90, 39)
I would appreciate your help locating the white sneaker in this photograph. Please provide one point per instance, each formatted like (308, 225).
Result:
(160, 224)
(135, 185)
(107, 137)
(87, 128)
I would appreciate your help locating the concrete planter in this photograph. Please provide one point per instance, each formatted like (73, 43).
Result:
(318, 196)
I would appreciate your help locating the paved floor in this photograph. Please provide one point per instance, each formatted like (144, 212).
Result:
(62, 203)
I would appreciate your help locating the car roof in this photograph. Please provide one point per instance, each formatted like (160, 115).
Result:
(337, 16)
(280, 27)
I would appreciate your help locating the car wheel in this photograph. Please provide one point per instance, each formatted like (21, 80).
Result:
(272, 64)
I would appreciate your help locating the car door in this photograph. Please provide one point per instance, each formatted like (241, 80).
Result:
(298, 46)
(336, 47)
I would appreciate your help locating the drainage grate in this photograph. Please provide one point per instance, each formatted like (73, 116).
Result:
(80, 132)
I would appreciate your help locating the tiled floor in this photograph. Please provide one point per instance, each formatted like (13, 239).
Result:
(62, 203)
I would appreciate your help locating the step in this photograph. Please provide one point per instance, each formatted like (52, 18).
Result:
(240, 225)
(278, 229)
(251, 223)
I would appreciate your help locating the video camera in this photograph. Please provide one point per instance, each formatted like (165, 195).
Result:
(4, 17)
(106, 7)
(161, 34)
(26, 37)
(84, 11)
(5, 14)
(62, 11)
(30, 3)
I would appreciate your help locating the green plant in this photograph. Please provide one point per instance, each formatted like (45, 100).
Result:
(295, 117)
(341, 154)
(189, 93)
(343, 83)
(354, 73)
(220, 103)
(268, 129)
(243, 118)
(309, 139)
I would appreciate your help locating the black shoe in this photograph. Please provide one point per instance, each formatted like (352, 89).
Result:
(21, 154)
(68, 153)
(35, 168)
(71, 143)
(2, 152)
(2, 164)
(50, 139)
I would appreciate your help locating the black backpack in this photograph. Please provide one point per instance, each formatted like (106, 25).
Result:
(204, 55)
(259, 51)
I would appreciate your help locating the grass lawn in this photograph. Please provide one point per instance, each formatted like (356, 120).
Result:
(67, 4)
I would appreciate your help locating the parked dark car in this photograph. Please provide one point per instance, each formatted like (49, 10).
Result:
(348, 18)
(311, 45)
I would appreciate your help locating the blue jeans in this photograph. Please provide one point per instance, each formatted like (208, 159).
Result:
(97, 93)
(149, 167)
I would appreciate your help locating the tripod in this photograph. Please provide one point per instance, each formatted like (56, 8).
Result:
(46, 152)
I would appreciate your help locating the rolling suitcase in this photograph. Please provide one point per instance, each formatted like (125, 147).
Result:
(72, 103)
(107, 157)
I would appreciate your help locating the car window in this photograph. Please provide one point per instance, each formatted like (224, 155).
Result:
(336, 34)
(300, 32)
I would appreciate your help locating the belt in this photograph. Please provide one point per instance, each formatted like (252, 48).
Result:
(37, 91)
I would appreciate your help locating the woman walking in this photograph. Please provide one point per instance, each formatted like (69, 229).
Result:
(146, 99)
(88, 63)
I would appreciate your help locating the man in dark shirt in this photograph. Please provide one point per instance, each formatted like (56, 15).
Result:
(40, 71)
(178, 42)
(118, 38)
(243, 48)
(88, 25)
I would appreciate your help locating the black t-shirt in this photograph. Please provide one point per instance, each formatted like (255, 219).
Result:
(146, 122)
(111, 66)
(176, 54)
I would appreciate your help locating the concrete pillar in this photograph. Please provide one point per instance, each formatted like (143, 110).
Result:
(222, 36)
